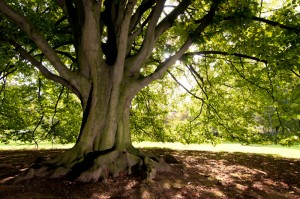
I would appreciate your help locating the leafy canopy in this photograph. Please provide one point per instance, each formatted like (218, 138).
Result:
(240, 80)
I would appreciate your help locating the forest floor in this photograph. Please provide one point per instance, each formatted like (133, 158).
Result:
(199, 174)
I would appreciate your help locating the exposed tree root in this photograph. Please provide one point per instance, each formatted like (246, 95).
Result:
(98, 165)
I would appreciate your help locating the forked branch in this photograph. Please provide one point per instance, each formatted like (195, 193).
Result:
(137, 61)
(163, 67)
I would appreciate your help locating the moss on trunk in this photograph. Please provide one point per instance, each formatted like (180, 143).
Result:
(104, 146)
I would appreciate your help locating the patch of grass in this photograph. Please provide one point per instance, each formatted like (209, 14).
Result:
(275, 150)
(27, 146)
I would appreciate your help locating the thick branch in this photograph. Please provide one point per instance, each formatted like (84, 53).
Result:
(137, 18)
(206, 20)
(38, 39)
(145, 5)
(162, 68)
(169, 20)
(149, 40)
(88, 32)
(43, 69)
(122, 40)
(74, 20)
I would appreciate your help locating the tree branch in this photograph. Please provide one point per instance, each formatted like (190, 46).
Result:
(137, 61)
(187, 90)
(269, 22)
(162, 68)
(34, 130)
(9, 69)
(109, 48)
(122, 41)
(73, 59)
(249, 81)
(196, 75)
(206, 20)
(38, 39)
(135, 19)
(145, 5)
(169, 20)
(53, 125)
(59, 21)
(274, 23)
(222, 53)
(298, 75)
(134, 34)
(43, 69)
(203, 101)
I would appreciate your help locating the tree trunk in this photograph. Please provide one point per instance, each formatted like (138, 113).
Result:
(106, 77)
(104, 145)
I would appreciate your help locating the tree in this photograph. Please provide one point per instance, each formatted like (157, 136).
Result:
(106, 51)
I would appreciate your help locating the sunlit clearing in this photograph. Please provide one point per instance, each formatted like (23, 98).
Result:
(228, 147)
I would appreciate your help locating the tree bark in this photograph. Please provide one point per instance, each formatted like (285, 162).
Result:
(104, 145)
(106, 81)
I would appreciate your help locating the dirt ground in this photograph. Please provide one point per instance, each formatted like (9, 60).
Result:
(198, 175)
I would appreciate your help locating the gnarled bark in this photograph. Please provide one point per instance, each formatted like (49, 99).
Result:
(104, 146)
(106, 79)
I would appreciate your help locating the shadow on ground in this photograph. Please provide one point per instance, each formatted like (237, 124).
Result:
(198, 175)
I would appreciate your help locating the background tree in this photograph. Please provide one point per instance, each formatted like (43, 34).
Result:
(105, 52)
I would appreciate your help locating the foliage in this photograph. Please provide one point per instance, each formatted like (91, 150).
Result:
(34, 110)
(242, 77)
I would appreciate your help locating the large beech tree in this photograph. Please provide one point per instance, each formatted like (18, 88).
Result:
(106, 51)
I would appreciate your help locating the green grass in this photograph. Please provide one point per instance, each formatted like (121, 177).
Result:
(276, 150)
(22, 146)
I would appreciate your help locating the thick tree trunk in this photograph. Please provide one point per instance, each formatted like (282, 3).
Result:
(108, 62)
(106, 120)
(104, 145)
